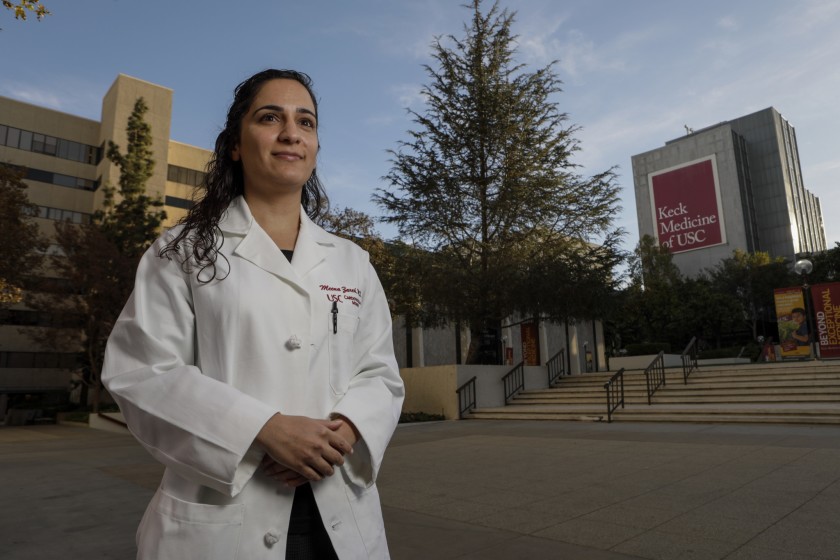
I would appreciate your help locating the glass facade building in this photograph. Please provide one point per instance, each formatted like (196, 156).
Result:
(756, 176)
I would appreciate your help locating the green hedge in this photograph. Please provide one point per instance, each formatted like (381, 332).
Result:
(751, 351)
(407, 417)
(645, 348)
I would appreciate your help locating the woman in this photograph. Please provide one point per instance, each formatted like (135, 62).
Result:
(254, 358)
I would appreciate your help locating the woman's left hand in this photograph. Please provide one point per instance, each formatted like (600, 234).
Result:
(281, 473)
(292, 478)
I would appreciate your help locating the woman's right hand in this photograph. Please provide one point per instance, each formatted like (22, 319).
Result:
(307, 446)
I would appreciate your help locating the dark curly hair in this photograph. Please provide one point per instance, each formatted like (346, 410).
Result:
(223, 181)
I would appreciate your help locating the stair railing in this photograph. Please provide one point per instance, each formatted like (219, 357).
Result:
(556, 367)
(466, 397)
(689, 358)
(655, 374)
(615, 393)
(514, 381)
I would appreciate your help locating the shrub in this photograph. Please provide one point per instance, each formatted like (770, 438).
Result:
(408, 417)
(645, 348)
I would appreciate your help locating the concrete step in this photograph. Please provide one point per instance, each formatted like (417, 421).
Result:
(794, 392)
(702, 376)
(704, 390)
(787, 413)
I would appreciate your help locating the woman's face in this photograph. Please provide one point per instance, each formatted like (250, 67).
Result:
(278, 142)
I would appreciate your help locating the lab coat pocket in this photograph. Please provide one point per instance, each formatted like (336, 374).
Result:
(343, 328)
(174, 529)
(364, 502)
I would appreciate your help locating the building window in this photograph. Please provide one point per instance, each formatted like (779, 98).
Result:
(185, 176)
(178, 202)
(49, 145)
(60, 179)
(13, 137)
(25, 140)
(61, 215)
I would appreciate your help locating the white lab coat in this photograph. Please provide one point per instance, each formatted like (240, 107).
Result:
(198, 368)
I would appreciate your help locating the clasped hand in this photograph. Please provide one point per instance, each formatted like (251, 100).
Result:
(301, 449)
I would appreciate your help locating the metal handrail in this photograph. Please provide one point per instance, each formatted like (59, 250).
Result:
(613, 391)
(514, 381)
(556, 367)
(655, 374)
(689, 358)
(466, 397)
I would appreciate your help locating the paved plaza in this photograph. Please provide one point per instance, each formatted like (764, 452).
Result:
(486, 490)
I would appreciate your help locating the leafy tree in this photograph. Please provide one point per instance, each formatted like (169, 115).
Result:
(651, 308)
(358, 227)
(708, 313)
(826, 266)
(22, 247)
(751, 279)
(23, 6)
(133, 223)
(486, 185)
(392, 261)
(100, 258)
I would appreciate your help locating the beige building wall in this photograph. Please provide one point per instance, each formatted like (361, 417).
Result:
(117, 106)
(60, 125)
(116, 109)
(189, 157)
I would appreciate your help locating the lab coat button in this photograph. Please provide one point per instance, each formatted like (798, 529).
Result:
(271, 539)
(335, 525)
(293, 343)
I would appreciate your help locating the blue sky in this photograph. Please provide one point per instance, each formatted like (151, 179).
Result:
(634, 71)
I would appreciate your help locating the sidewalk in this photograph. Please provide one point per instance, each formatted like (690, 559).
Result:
(486, 490)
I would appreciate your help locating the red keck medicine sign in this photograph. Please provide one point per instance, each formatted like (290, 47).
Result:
(686, 206)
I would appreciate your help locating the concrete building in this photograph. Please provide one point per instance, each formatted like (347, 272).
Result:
(733, 185)
(65, 167)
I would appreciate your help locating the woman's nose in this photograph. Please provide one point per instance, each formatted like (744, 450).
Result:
(289, 132)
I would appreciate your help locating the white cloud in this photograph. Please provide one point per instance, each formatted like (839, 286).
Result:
(380, 120)
(805, 16)
(728, 23)
(68, 96)
(408, 96)
(33, 95)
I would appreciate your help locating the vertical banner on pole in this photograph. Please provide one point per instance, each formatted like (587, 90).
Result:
(826, 299)
(792, 317)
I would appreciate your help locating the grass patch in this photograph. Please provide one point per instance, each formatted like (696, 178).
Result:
(408, 417)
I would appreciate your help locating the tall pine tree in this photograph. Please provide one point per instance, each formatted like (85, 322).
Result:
(486, 183)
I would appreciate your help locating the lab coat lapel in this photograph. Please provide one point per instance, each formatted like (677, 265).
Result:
(311, 248)
(256, 246)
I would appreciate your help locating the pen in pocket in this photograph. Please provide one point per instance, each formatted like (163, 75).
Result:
(335, 317)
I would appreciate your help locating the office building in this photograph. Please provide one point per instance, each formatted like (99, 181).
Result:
(65, 163)
(733, 185)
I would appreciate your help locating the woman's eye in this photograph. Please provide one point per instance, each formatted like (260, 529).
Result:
(308, 123)
(269, 117)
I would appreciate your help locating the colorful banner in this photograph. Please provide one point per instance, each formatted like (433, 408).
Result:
(686, 206)
(794, 334)
(826, 299)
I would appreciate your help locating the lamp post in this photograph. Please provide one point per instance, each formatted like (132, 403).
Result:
(803, 268)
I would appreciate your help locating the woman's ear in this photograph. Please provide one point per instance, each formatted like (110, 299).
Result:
(234, 153)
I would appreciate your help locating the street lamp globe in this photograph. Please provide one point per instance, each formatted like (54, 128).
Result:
(803, 267)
